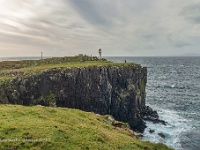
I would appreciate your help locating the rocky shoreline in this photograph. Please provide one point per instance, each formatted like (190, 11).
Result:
(149, 114)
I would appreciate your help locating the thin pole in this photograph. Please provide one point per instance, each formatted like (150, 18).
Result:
(99, 53)
(41, 55)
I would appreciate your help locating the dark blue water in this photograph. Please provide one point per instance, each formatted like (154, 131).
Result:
(173, 89)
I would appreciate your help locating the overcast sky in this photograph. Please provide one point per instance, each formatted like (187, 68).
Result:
(118, 27)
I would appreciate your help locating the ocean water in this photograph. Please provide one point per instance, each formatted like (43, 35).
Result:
(173, 89)
(18, 58)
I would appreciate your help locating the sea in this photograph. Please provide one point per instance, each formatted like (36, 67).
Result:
(173, 90)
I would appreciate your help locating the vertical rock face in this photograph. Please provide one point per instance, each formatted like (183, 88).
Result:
(114, 90)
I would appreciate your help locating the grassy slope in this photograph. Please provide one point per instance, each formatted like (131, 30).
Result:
(62, 128)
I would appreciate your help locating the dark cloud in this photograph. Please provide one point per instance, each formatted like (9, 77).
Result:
(192, 12)
(100, 13)
(179, 41)
(181, 44)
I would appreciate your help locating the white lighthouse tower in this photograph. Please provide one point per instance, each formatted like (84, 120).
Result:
(99, 53)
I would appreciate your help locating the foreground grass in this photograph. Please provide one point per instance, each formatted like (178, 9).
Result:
(47, 128)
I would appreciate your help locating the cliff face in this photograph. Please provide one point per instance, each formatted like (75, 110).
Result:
(118, 91)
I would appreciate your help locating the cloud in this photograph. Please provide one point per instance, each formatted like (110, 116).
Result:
(92, 12)
(69, 27)
(192, 12)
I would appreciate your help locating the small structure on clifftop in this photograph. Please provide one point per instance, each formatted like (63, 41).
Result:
(41, 55)
(99, 53)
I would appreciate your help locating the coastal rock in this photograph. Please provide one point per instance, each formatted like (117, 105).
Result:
(149, 114)
(3, 98)
(161, 135)
(115, 90)
(151, 130)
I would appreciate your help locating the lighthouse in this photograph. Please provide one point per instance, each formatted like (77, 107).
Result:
(99, 53)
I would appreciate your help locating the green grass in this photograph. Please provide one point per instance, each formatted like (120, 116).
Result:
(27, 71)
(48, 128)
(3, 79)
(56, 62)
(12, 69)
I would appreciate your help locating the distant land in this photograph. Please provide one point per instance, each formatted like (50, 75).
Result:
(190, 54)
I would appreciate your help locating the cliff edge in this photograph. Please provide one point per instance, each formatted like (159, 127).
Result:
(118, 90)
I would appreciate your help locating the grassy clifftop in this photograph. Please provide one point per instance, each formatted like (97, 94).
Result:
(12, 69)
(63, 128)
(70, 61)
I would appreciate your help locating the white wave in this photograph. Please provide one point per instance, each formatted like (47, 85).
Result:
(173, 85)
(172, 131)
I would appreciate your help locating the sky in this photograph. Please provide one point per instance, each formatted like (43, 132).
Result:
(118, 27)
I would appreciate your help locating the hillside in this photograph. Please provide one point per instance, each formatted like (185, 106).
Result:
(48, 128)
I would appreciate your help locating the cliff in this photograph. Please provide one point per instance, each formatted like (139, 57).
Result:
(115, 90)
